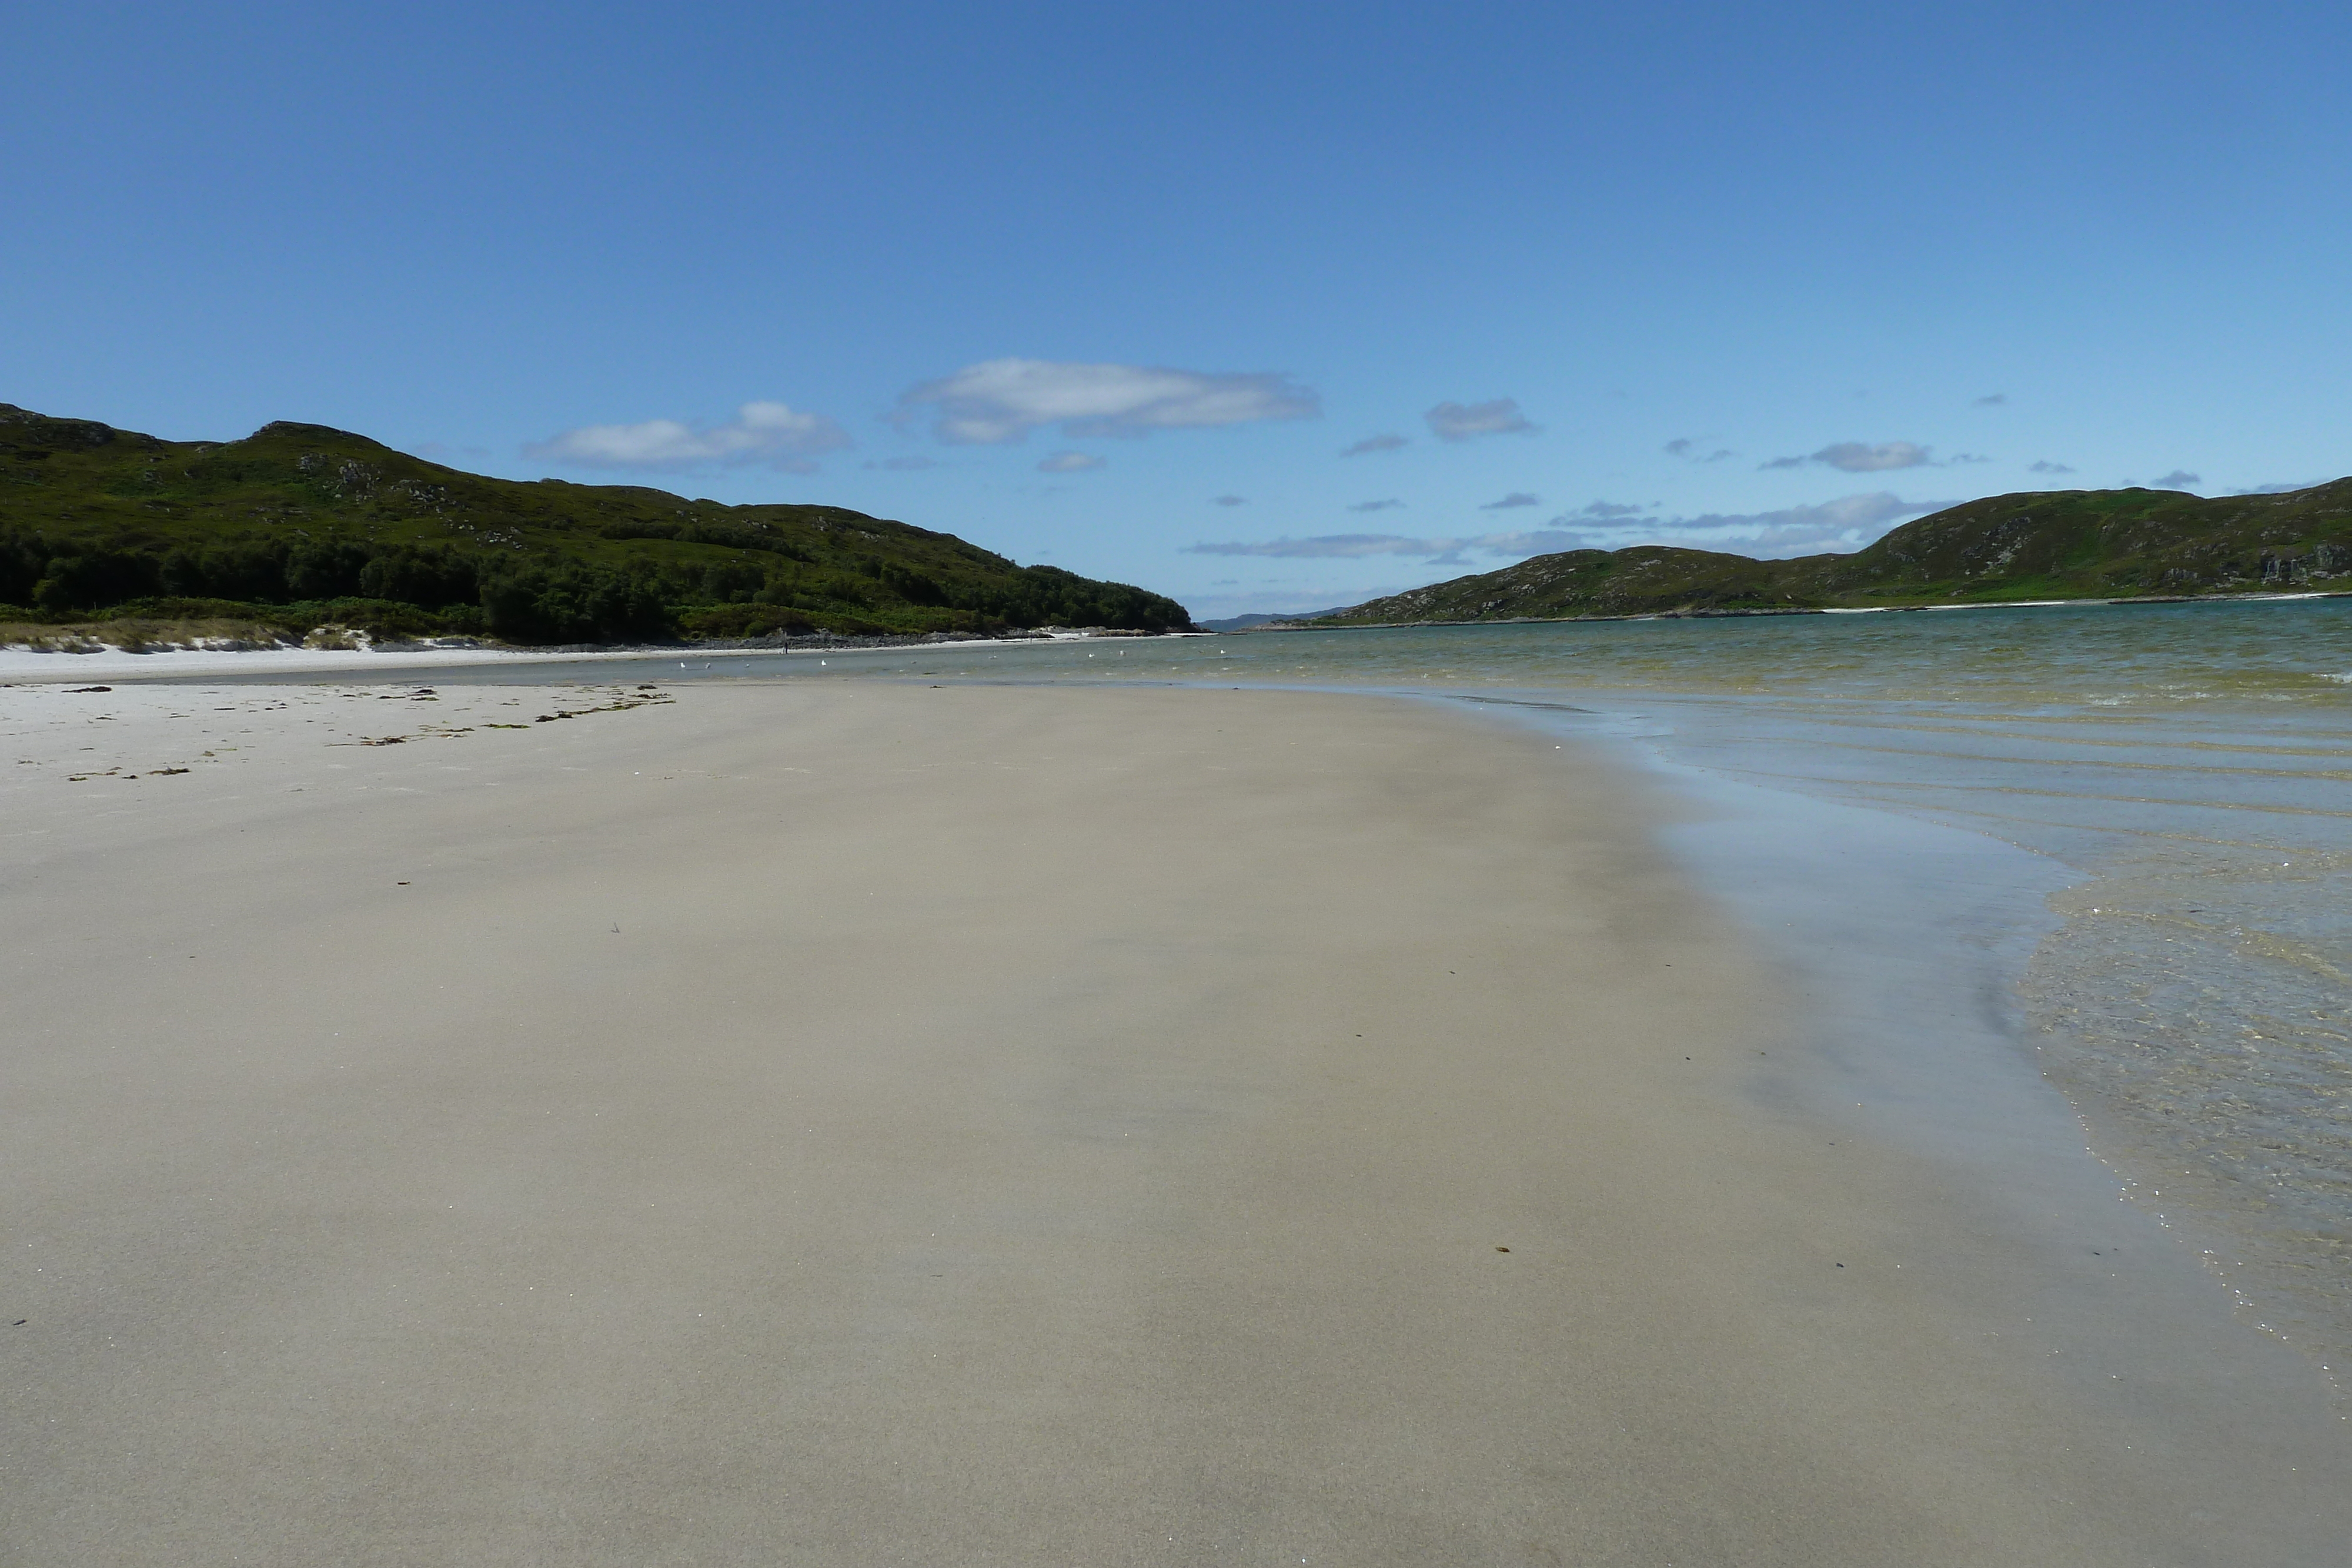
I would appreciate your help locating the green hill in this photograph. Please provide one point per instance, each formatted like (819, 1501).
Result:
(298, 525)
(2062, 544)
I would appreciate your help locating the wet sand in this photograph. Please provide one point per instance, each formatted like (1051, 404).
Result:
(897, 1124)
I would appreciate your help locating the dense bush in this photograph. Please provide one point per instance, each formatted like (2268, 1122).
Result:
(572, 604)
(22, 561)
(249, 572)
(90, 577)
(424, 575)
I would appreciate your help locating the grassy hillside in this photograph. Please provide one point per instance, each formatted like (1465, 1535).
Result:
(300, 524)
(2065, 544)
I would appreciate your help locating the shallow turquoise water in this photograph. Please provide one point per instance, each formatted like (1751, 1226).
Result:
(2094, 657)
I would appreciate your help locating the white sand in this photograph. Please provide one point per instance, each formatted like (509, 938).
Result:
(890, 1124)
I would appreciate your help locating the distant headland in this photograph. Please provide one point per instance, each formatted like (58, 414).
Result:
(2045, 545)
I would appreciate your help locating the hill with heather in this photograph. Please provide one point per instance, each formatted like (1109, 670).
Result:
(298, 525)
(2062, 544)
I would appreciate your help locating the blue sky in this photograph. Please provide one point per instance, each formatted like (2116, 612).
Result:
(1261, 306)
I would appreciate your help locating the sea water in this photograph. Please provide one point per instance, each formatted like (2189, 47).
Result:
(2173, 930)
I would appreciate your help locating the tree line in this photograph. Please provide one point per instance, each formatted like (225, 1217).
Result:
(768, 586)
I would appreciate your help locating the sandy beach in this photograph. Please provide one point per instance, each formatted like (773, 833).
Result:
(874, 1124)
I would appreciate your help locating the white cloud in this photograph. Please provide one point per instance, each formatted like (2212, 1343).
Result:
(1374, 444)
(1461, 421)
(2179, 479)
(2046, 466)
(1376, 505)
(1605, 510)
(1515, 499)
(1958, 459)
(1069, 462)
(1230, 500)
(1003, 401)
(905, 464)
(1847, 523)
(767, 433)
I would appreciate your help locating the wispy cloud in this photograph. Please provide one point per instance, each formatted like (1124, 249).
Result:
(1353, 545)
(2279, 488)
(1686, 448)
(1387, 505)
(1374, 444)
(1854, 457)
(2179, 479)
(1230, 500)
(1991, 400)
(1960, 459)
(1847, 523)
(769, 433)
(2046, 466)
(1001, 401)
(1069, 463)
(1515, 499)
(903, 464)
(1466, 422)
